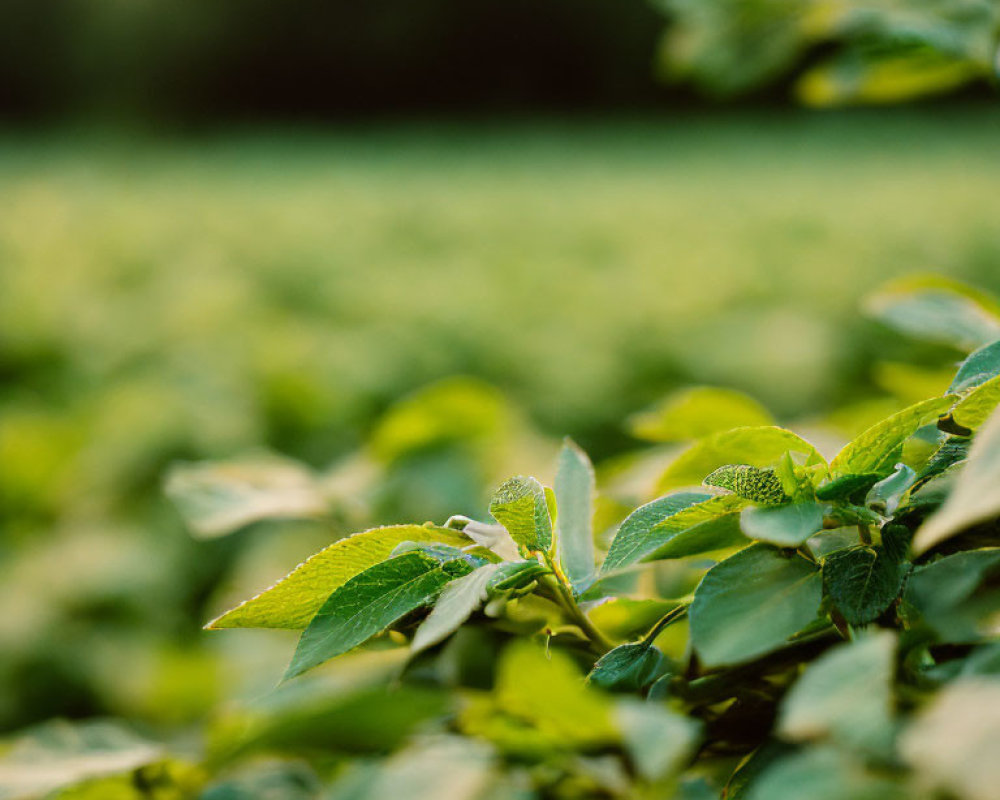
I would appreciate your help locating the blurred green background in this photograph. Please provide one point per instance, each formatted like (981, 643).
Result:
(236, 228)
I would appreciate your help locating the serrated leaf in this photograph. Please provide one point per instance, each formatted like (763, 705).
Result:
(759, 446)
(521, 507)
(785, 526)
(937, 310)
(862, 582)
(751, 603)
(976, 407)
(455, 605)
(978, 368)
(369, 603)
(680, 524)
(974, 497)
(886, 495)
(296, 598)
(574, 488)
(697, 412)
(875, 450)
(758, 485)
(659, 741)
(845, 695)
(629, 668)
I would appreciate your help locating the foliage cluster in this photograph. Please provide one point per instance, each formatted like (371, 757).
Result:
(774, 624)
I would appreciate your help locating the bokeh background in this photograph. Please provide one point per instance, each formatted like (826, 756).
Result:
(406, 247)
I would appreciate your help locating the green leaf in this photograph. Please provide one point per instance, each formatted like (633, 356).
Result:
(974, 497)
(751, 603)
(697, 412)
(574, 488)
(660, 742)
(785, 526)
(847, 487)
(760, 486)
(218, 498)
(824, 773)
(937, 310)
(629, 668)
(846, 696)
(862, 582)
(680, 524)
(296, 598)
(457, 602)
(886, 495)
(975, 408)
(955, 596)
(760, 446)
(878, 448)
(369, 603)
(952, 745)
(433, 768)
(520, 506)
(978, 368)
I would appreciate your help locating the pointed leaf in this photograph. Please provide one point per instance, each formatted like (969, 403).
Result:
(296, 598)
(785, 526)
(574, 488)
(877, 448)
(751, 603)
(457, 602)
(978, 368)
(369, 603)
(520, 506)
(629, 668)
(862, 582)
(974, 497)
(886, 495)
(976, 407)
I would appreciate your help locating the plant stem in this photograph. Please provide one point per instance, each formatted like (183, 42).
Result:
(865, 534)
(672, 615)
(559, 585)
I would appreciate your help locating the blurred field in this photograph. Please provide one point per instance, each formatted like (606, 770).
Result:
(201, 297)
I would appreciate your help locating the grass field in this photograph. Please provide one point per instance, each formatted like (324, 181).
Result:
(200, 297)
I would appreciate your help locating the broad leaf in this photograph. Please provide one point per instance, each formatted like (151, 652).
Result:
(217, 498)
(433, 768)
(956, 597)
(369, 603)
(886, 495)
(761, 486)
(976, 407)
(296, 598)
(937, 310)
(825, 773)
(629, 668)
(875, 450)
(978, 368)
(521, 507)
(457, 602)
(785, 526)
(953, 743)
(845, 695)
(681, 524)
(659, 741)
(760, 446)
(850, 487)
(974, 498)
(697, 412)
(862, 582)
(574, 487)
(751, 603)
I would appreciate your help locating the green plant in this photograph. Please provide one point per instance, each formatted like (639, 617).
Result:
(821, 628)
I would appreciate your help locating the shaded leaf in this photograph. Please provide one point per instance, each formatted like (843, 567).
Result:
(455, 605)
(296, 598)
(369, 603)
(846, 487)
(974, 498)
(823, 773)
(659, 741)
(886, 495)
(521, 507)
(574, 488)
(953, 597)
(862, 582)
(751, 603)
(697, 412)
(845, 695)
(978, 368)
(785, 526)
(629, 668)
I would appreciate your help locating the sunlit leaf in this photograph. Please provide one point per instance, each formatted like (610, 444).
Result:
(978, 368)
(521, 507)
(574, 488)
(697, 412)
